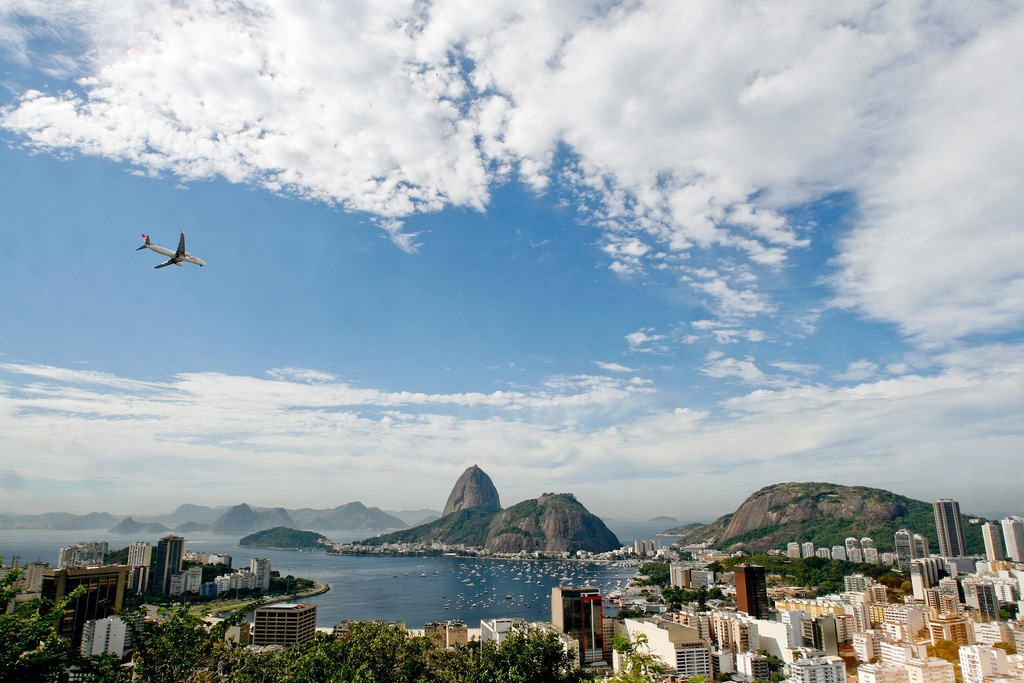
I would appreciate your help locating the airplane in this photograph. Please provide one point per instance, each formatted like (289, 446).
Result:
(177, 257)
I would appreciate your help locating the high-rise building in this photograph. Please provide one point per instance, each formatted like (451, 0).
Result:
(820, 633)
(578, 613)
(499, 629)
(904, 540)
(1013, 537)
(793, 550)
(32, 576)
(260, 566)
(166, 563)
(823, 553)
(839, 552)
(982, 596)
(284, 624)
(855, 554)
(850, 544)
(929, 670)
(90, 554)
(752, 591)
(921, 546)
(104, 593)
(948, 528)
(679, 648)
(140, 554)
(924, 574)
(807, 549)
(950, 627)
(993, 538)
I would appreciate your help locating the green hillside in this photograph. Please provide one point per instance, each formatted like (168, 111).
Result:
(283, 537)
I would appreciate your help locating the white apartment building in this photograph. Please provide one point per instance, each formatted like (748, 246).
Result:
(106, 636)
(865, 644)
(807, 549)
(793, 550)
(881, 673)
(818, 670)
(1013, 537)
(678, 647)
(929, 670)
(899, 653)
(752, 666)
(978, 662)
(499, 630)
(260, 567)
(193, 579)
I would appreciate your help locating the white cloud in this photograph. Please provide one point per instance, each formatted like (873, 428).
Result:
(801, 368)
(612, 367)
(688, 130)
(638, 340)
(857, 371)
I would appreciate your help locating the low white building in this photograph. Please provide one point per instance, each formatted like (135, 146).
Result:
(881, 673)
(818, 670)
(929, 670)
(678, 647)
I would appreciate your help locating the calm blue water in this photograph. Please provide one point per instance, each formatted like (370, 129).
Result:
(410, 589)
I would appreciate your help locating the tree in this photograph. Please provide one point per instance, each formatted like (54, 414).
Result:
(638, 664)
(30, 649)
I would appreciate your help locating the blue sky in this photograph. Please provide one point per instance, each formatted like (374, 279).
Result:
(590, 247)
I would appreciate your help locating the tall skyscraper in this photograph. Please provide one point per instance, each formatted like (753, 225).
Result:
(921, 546)
(1013, 537)
(904, 540)
(140, 554)
(752, 591)
(104, 593)
(948, 528)
(166, 563)
(578, 613)
(993, 538)
(260, 566)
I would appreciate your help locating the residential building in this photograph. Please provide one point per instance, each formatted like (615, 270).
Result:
(140, 554)
(447, 633)
(499, 629)
(90, 554)
(950, 627)
(577, 612)
(924, 573)
(857, 582)
(921, 546)
(32, 576)
(106, 636)
(823, 553)
(948, 528)
(818, 670)
(839, 552)
(752, 590)
(1013, 538)
(678, 647)
(807, 549)
(166, 563)
(793, 550)
(821, 634)
(284, 624)
(993, 537)
(978, 662)
(679, 575)
(881, 673)
(260, 567)
(904, 540)
(929, 670)
(981, 595)
(752, 666)
(193, 579)
(104, 593)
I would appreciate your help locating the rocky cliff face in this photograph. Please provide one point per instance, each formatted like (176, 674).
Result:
(473, 489)
(554, 522)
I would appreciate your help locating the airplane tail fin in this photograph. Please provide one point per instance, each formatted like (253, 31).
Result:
(147, 243)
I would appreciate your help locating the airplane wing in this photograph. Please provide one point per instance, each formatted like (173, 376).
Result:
(170, 262)
(181, 245)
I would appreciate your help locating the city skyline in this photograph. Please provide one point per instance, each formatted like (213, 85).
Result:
(736, 249)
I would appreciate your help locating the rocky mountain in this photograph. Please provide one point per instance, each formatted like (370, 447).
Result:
(554, 522)
(822, 513)
(354, 516)
(65, 521)
(243, 519)
(473, 489)
(130, 526)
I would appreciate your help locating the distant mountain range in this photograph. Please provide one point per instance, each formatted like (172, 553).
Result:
(242, 518)
(825, 514)
(553, 522)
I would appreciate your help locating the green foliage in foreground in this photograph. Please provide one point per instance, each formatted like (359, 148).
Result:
(181, 648)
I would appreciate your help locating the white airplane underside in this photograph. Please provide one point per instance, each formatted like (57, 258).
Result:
(177, 258)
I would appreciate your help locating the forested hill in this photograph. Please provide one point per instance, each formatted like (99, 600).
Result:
(825, 514)
(283, 537)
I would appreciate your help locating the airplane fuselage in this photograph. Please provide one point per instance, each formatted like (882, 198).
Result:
(187, 258)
